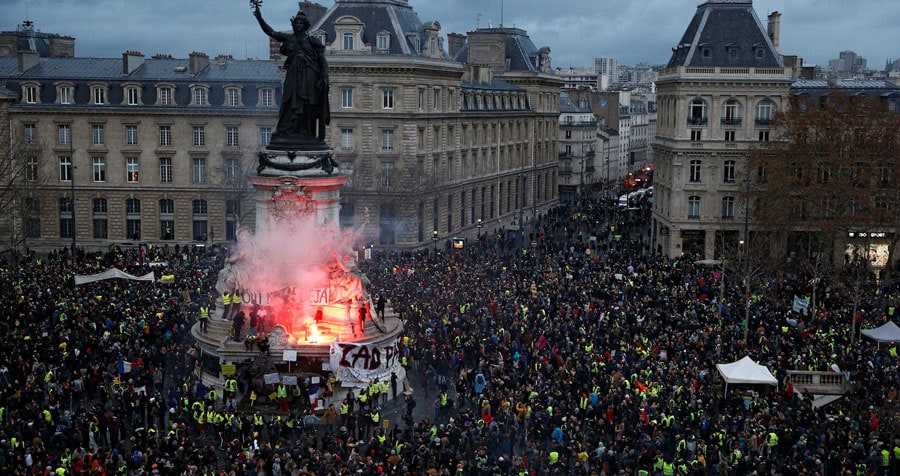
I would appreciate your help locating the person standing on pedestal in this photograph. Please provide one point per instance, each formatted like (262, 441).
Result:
(304, 110)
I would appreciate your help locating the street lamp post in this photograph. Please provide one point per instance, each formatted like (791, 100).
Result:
(479, 224)
(434, 239)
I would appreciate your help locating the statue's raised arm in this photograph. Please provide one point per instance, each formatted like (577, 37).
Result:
(266, 28)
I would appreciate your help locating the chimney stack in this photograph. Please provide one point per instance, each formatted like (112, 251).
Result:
(198, 61)
(775, 29)
(131, 60)
(27, 60)
(455, 42)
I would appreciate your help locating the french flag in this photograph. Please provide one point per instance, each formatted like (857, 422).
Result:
(124, 367)
(313, 395)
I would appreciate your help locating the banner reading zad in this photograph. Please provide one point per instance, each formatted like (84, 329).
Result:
(364, 363)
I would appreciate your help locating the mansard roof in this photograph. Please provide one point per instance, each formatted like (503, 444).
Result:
(725, 33)
(395, 17)
(567, 105)
(153, 69)
(521, 53)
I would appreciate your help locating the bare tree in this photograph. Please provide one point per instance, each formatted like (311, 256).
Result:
(19, 178)
(237, 190)
(833, 175)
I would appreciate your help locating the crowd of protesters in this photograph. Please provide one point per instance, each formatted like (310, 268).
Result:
(566, 348)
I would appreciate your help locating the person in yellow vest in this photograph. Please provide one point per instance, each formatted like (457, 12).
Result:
(226, 305)
(344, 411)
(281, 395)
(204, 318)
(236, 301)
(230, 387)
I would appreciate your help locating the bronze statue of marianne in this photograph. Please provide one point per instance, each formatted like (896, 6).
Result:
(304, 108)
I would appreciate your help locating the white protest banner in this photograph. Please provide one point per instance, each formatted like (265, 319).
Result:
(364, 362)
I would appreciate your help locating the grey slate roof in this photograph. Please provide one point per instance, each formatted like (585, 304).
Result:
(251, 74)
(110, 69)
(845, 84)
(495, 85)
(521, 52)
(567, 105)
(393, 16)
(718, 26)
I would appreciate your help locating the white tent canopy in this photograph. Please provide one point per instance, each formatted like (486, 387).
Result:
(746, 371)
(888, 332)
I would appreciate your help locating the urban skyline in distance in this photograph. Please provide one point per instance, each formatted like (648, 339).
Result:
(815, 30)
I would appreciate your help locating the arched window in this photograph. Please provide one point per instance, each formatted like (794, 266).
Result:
(731, 113)
(697, 113)
(765, 110)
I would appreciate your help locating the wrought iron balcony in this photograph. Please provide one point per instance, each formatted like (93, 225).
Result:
(697, 121)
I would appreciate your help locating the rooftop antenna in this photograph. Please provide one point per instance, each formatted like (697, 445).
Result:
(26, 10)
(477, 21)
(501, 13)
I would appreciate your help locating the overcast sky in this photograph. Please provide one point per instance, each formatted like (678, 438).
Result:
(576, 30)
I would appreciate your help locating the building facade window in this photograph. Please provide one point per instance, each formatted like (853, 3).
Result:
(165, 170)
(266, 97)
(346, 138)
(387, 174)
(346, 98)
(199, 175)
(387, 139)
(265, 136)
(98, 94)
(133, 218)
(30, 94)
(65, 168)
(349, 42)
(32, 218)
(31, 169)
(99, 169)
(765, 110)
(383, 42)
(98, 134)
(66, 218)
(199, 220)
(133, 96)
(64, 134)
(696, 135)
(697, 114)
(165, 136)
(132, 169)
(131, 135)
(199, 136)
(346, 166)
(387, 99)
(232, 215)
(199, 96)
(728, 168)
(232, 137)
(695, 171)
(694, 207)
(101, 225)
(731, 113)
(167, 219)
(730, 136)
(165, 96)
(65, 95)
(30, 133)
(728, 208)
(234, 96)
(232, 170)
